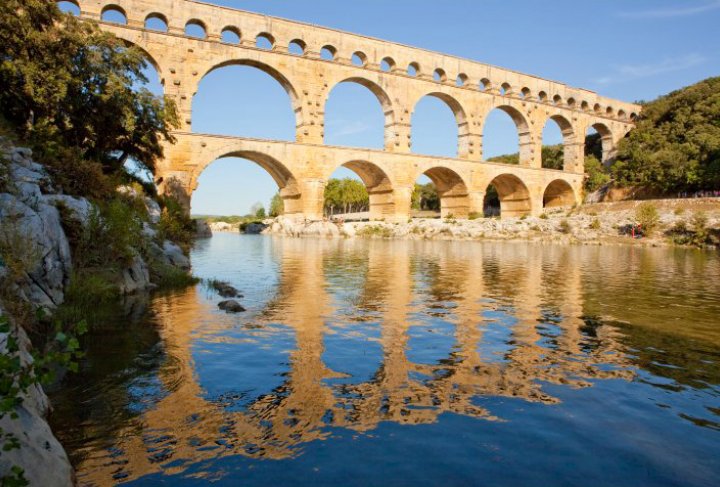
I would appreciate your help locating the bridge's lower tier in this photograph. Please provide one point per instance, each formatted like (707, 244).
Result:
(302, 170)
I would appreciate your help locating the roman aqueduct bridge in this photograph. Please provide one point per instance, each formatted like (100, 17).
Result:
(308, 61)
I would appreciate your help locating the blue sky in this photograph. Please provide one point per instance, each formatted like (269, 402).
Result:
(631, 50)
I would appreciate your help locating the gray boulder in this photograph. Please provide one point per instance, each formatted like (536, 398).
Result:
(230, 306)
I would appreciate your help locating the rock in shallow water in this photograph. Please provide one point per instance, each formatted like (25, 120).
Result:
(231, 306)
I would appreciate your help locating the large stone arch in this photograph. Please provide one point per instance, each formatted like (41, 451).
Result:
(386, 104)
(379, 187)
(459, 113)
(607, 141)
(569, 142)
(514, 195)
(523, 130)
(152, 59)
(558, 193)
(452, 191)
(276, 74)
(281, 174)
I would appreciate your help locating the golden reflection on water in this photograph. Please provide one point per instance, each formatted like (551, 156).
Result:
(539, 295)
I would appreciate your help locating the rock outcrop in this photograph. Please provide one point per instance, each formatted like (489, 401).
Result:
(40, 455)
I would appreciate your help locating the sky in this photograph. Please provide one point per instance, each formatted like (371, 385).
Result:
(625, 49)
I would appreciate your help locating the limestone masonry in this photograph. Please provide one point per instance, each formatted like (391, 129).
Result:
(399, 76)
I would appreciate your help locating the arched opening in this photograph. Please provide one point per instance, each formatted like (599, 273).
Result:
(195, 28)
(599, 143)
(440, 190)
(265, 41)
(557, 135)
(359, 59)
(485, 85)
(506, 89)
(328, 53)
(359, 190)
(438, 126)
(505, 136)
(297, 47)
(230, 35)
(557, 100)
(114, 14)
(387, 64)
(525, 93)
(156, 21)
(356, 114)
(542, 96)
(439, 76)
(69, 7)
(246, 99)
(413, 69)
(507, 196)
(461, 80)
(558, 194)
(240, 183)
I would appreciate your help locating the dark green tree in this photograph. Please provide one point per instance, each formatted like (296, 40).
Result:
(276, 205)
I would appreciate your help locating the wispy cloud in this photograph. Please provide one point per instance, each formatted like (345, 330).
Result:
(628, 72)
(664, 13)
(351, 128)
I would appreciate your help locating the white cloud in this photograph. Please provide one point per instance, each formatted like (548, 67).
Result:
(627, 72)
(664, 13)
(351, 128)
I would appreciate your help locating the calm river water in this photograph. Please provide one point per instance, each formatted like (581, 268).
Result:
(409, 363)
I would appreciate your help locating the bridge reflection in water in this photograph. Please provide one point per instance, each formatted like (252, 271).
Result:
(352, 334)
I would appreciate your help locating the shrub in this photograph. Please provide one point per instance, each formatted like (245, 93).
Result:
(175, 223)
(595, 224)
(474, 215)
(375, 231)
(565, 226)
(647, 217)
(544, 216)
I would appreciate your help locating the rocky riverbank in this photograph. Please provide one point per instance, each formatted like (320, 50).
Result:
(596, 224)
(36, 268)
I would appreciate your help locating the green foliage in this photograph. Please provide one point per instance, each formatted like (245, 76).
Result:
(676, 144)
(647, 217)
(474, 215)
(175, 224)
(345, 196)
(17, 376)
(553, 156)
(276, 205)
(506, 159)
(597, 174)
(425, 197)
(260, 213)
(565, 226)
(544, 216)
(379, 231)
(69, 91)
(595, 224)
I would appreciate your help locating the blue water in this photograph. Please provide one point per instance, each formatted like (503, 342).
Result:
(375, 362)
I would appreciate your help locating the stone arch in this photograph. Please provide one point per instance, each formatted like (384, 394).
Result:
(607, 141)
(459, 114)
(452, 191)
(568, 142)
(281, 174)
(148, 56)
(75, 9)
(387, 64)
(523, 130)
(378, 184)
(196, 23)
(156, 16)
(287, 85)
(514, 195)
(559, 193)
(113, 7)
(383, 98)
(230, 35)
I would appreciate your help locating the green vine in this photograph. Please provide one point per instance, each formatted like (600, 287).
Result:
(18, 376)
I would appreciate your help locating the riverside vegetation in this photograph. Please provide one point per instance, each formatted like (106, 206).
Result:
(78, 230)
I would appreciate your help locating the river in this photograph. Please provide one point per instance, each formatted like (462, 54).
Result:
(372, 362)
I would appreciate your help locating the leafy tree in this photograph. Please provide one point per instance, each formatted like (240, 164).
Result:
(276, 205)
(70, 89)
(597, 174)
(425, 197)
(553, 156)
(345, 196)
(676, 144)
(260, 213)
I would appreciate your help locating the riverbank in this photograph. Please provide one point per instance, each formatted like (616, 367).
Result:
(62, 258)
(676, 223)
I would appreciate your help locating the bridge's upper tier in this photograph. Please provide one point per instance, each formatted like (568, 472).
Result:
(373, 53)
